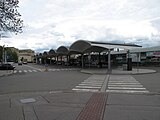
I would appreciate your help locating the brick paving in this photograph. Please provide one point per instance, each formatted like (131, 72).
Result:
(94, 109)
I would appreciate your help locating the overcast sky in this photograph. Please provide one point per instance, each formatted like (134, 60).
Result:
(52, 23)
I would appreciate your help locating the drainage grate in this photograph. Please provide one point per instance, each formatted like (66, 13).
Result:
(95, 107)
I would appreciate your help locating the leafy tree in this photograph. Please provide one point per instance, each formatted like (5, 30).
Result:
(10, 17)
(1, 50)
(11, 55)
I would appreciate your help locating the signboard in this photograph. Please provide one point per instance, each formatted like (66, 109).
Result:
(150, 54)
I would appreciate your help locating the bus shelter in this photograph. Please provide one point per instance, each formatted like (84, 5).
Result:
(84, 46)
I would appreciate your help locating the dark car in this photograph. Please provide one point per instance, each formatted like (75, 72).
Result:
(6, 66)
(19, 63)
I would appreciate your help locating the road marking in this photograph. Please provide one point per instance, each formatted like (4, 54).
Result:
(63, 69)
(90, 84)
(51, 69)
(30, 70)
(87, 87)
(15, 71)
(25, 71)
(57, 69)
(126, 91)
(33, 68)
(85, 90)
(95, 82)
(104, 86)
(128, 88)
(122, 81)
(125, 85)
(20, 71)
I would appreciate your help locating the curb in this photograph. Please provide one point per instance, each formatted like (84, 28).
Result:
(88, 72)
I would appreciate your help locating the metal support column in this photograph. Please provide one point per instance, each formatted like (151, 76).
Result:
(82, 60)
(109, 60)
(67, 62)
(50, 60)
(99, 60)
(5, 56)
(61, 60)
(89, 60)
(57, 60)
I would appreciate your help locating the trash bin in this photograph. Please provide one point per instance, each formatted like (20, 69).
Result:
(129, 64)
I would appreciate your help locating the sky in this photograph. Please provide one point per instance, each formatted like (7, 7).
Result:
(49, 24)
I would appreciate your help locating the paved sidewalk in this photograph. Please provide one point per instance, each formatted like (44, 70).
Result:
(79, 106)
(52, 105)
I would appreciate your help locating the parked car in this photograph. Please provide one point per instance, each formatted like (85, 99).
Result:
(25, 62)
(19, 63)
(6, 66)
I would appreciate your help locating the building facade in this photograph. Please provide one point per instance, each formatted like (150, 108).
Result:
(26, 55)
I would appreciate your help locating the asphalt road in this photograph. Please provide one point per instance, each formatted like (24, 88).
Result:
(150, 81)
(62, 80)
(32, 77)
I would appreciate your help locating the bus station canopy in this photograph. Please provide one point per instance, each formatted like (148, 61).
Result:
(62, 50)
(83, 46)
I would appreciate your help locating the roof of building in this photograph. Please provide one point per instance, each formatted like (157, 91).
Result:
(149, 49)
(138, 50)
(62, 50)
(83, 46)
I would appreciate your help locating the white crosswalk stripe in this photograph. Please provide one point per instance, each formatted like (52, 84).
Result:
(63, 69)
(15, 71)
(92, 84)
(34, 70)
(125, 84)
(24, 71)
(50, 70)
(30, 70)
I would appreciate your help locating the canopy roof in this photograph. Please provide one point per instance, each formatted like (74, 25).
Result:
(82, 46)
(52, 52)
(62, 50)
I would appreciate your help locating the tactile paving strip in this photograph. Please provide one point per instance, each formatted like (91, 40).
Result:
(95, 107)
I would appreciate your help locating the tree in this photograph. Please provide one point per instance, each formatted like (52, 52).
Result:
(1, 50)
(11, 55)
(10, 20)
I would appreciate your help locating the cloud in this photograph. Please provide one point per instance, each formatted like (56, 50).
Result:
(52, 23)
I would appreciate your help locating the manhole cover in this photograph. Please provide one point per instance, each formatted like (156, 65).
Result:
(28, 100)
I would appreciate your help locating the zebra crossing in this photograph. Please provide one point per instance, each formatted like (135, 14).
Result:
(92, 84)
(114, 84)
(125, 84)
(63, 69)
(40, 70)
(24, 71)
